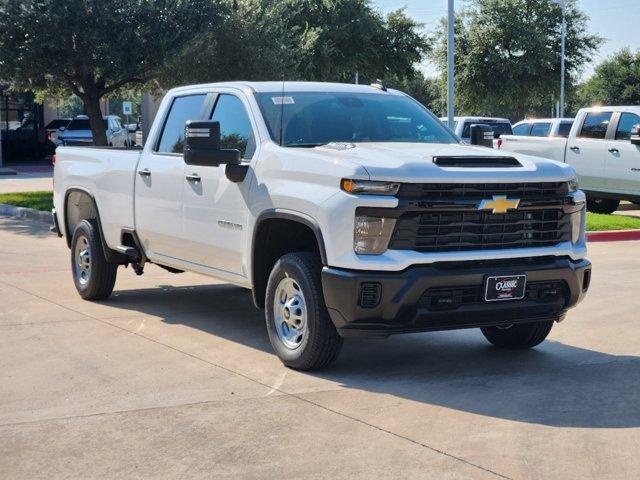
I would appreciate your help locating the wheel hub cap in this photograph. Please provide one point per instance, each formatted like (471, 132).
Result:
(82, 260)
(290, 313)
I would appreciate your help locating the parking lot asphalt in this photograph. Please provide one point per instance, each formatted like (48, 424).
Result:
(174, 376)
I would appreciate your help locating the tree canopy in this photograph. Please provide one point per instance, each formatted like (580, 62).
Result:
(327, 40)
(93, 48)
(616, 81)
(508, 55)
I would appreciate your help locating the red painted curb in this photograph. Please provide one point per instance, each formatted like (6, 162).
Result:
(613, 235)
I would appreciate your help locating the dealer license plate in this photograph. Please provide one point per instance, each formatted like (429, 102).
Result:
(510, 287)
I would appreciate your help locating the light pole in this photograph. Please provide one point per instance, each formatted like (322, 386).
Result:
(450, 60)
(563, 34)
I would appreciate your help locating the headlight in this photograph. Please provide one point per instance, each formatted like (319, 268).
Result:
(573, 185)
(577, 224)
(372, 234)
(368, 187)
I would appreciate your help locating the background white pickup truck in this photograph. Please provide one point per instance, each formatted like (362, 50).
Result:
(601, 149)
(349, 210)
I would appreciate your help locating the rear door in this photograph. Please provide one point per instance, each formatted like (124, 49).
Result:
(159, 183)
(623, 159)
(216, 209)
(587, 152)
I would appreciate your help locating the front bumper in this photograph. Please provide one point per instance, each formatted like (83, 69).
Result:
(448, 295)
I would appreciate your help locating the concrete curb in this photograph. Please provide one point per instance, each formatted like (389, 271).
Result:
(26, 213)
(7, 171)
(613, 235)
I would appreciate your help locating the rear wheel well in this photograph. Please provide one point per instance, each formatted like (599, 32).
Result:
(274, 238)
(78, 206)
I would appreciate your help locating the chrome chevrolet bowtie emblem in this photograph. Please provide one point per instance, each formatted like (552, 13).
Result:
(499, 204)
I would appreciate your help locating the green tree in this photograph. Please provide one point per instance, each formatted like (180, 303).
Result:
(508, 55)
(94, 48)
(322, 40)
(616, 81)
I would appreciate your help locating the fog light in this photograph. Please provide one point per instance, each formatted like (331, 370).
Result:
(372, 234)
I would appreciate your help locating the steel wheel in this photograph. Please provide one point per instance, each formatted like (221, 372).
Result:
(82, 263)
(290, 313)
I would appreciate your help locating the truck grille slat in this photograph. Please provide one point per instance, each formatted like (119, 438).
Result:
(537, 223)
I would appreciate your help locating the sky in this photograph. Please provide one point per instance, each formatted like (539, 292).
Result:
(615, 20)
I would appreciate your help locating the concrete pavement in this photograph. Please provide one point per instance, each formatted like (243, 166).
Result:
(174, 376)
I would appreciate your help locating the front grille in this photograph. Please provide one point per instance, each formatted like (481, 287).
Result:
(479, 191)
(451, 298)
(444, 218)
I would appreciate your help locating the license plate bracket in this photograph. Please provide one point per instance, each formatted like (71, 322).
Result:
(504, 287)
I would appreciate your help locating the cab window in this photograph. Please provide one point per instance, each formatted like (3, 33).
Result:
(626, 124)
(235, 127)
(182, 109)
(522, 129)
(564, 128)
(540, 129)
(595, 125)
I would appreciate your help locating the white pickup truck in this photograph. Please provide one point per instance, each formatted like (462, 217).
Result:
(349, 210)
(604, 148)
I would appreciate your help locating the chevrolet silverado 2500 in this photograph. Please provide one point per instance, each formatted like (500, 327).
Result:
(604, 148)
(349, 210)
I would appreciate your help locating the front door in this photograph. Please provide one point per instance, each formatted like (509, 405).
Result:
(587, 153)
(216, 209)
(623, 161)
(159, 183)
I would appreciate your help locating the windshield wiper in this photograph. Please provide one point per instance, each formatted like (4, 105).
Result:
(305, 145)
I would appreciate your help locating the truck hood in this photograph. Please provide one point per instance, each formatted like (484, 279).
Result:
(413, 162)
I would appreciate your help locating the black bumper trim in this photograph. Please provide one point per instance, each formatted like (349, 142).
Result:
(400, 310)
(55, 228)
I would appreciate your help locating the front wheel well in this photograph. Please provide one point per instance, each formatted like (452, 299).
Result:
(274, 238)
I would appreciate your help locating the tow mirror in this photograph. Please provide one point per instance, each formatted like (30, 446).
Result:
(481, 134)
(202, 145)
(635, 135)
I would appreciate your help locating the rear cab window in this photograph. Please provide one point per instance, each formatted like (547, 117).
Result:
(541, 129)
(188, 107)
(499, 128)
(595, 125)
(522, 129)
(626, 124)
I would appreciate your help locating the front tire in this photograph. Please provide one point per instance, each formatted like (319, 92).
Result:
(518, 336)
(93, 276)
(602, 205)
(300, 330)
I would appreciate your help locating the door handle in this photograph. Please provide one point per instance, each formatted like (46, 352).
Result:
(144, 172)
(193, 177)
(614, 150)
(574, 148)
(635, 169)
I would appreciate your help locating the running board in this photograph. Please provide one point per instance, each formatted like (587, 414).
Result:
(130, 252)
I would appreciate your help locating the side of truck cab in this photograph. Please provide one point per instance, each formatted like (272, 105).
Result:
(348, 210)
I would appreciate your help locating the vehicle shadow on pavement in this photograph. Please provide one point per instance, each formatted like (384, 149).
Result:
(554, 384)
(29, 228)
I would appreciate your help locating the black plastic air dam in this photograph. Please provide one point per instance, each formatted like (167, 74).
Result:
(400, 309)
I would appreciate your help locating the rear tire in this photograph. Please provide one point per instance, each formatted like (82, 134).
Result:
(602, 205)
(93, 276)
(519, 335)
(300, 330)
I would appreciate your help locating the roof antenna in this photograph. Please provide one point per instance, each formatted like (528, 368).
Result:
(379, 84)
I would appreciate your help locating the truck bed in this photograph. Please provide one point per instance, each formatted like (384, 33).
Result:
(108, 174)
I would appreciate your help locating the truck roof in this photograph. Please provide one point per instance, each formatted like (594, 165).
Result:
(277, 86)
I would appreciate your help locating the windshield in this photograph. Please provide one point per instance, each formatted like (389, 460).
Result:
(317, 118)
(82, 124)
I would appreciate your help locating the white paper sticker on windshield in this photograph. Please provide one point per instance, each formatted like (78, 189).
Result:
(282, 100)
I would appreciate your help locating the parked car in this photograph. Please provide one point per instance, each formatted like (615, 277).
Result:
(543, 127)
(348, 210)
(462, 126)
(78, 132)
(602, 150)
(54, 127)
(25, 139)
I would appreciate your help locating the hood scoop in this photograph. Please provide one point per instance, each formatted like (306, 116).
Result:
(476, 162)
